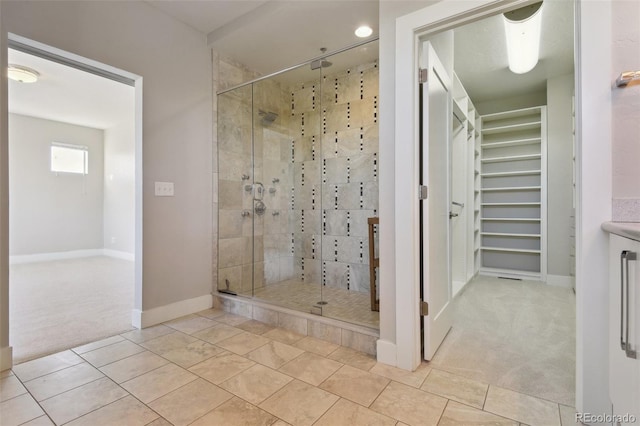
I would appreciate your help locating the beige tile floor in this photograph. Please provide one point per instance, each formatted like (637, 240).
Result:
(215, 368)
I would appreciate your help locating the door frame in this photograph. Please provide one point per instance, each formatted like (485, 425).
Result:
(107, 71)
(593, 78)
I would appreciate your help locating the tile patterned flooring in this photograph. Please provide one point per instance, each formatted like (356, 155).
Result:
(215, 368)
(342, 304)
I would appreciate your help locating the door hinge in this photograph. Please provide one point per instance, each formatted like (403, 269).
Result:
(423, 75)
(424, 308)
(423, 192)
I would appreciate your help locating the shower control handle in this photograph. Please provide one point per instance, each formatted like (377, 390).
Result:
(258, 191)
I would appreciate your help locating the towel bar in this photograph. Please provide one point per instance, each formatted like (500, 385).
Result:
(627, 77)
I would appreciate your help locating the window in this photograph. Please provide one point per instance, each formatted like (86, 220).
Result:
(66, 158)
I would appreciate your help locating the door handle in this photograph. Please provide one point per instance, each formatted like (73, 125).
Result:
(452, 215)
(625, 257)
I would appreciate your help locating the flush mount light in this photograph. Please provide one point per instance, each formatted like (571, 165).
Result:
(522, 29)
(22, 74)
(364, 31)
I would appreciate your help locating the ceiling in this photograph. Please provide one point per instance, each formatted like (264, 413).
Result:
(481, 63)
(69, 95)
(268, 36)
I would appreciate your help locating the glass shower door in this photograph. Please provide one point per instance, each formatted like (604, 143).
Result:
(287, 164)
(235, 192)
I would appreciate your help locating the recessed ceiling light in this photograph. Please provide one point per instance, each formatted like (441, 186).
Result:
(364, 31)
(22, 74)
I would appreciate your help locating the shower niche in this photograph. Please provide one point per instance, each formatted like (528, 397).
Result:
(297, 182)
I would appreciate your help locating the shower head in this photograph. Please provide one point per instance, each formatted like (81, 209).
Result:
(268, 117)
(320, 63)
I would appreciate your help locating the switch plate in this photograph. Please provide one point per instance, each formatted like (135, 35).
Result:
(164, 189)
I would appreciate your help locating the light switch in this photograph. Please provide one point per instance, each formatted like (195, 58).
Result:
(164, 189)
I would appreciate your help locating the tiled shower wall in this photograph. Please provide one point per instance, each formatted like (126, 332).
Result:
(318, 162)
(335, 157)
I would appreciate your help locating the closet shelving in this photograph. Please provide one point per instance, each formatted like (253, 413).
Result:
(477, 165)
(512, 193)
(465, 187)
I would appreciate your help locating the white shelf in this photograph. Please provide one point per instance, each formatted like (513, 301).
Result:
(509, 235)
(516, 113)
(507, 174)
(512, 158)
(527, 141)
(510, 219)
(510, 250)
(511, 128)
(510, 204)
(509, 139)
(511, 188)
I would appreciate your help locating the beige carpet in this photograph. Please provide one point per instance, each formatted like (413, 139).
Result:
(62, 304)
(518, 335)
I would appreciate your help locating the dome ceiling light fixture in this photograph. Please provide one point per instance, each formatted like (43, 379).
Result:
(363, 31)
(22, 74)
(522, 29)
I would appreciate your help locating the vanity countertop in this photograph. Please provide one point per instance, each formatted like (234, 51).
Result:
(624, 229)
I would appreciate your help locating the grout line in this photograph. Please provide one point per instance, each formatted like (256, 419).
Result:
(443, 410)
(486, 395)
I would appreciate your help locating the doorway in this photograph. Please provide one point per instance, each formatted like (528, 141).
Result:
(501, 199)
(74, 195)
(592, 94)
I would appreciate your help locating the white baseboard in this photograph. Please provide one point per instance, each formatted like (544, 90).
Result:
(386, 352)
(560, 281)
(72, 254)
(6, 358)
(143, 319)
(46, 257)
(119, 254)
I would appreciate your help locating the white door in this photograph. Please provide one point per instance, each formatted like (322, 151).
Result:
(435, 223)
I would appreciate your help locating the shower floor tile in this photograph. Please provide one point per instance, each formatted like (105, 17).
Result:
(344, 305)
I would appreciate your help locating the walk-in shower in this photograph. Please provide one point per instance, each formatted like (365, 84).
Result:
(297, 183)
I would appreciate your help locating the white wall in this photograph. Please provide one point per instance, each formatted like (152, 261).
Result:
(52, 212)
(175, 65)
(119, 187)
(516, 102)
(625, 56)
(559, 174)
(5, 349)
